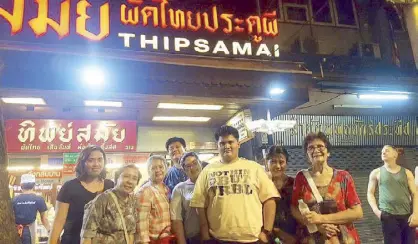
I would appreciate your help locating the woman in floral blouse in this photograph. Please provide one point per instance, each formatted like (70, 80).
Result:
(285, 226)
(153, 204)
(341, 205)
(103, 223)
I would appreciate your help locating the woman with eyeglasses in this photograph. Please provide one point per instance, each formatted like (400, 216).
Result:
(330, 195)
(184, 219)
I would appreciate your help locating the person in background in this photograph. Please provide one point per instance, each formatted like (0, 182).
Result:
(153, 204)
(103, 223)
(234, 197)
(26, 206)
(285, 226)
(397, 193)
(75, 194)
(340, 206)
(175, 147)
(184, 219)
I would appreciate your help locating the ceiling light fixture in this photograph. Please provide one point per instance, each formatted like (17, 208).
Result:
(98, 103)
(189, 106)
(356, 106)
(384, 96)
(113, 166)
(20, 168)
(51, 167)
(24, 100)
(181, 118)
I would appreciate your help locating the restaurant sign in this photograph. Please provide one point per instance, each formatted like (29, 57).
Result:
(140, 25)
(238, 121)
(351, 130)
(55, 136)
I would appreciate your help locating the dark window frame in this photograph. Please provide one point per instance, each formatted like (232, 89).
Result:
(356, 22)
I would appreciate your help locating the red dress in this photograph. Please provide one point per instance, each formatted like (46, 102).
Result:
(341, 193)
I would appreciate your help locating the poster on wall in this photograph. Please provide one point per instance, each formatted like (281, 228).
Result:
(59, 136)
(238, 121)
(69, 164)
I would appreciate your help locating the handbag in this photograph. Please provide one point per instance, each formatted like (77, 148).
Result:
(323, 206)
(170, 239)
(121, 215)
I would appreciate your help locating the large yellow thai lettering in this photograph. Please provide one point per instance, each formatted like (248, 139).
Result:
(40, 24)
(83, 17)
(16, 19)
(129, 16)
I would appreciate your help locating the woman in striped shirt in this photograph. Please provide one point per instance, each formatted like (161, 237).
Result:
(153, 204)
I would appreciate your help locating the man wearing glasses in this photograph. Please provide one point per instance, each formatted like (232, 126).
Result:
(184, 219)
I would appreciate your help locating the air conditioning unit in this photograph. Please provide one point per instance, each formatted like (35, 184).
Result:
(371, 50)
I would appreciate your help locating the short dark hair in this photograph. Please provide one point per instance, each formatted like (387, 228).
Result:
(186, 155)
(27, 186)
(80, 169)
(175, 139)
(128, 166)
(226, 130)
(313, 136)
(275, 151)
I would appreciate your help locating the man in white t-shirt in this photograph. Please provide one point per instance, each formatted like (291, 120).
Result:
(234, 197)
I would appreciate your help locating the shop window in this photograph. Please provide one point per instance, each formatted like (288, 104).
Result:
(299, 2)
(296, 10)
(321, 11)
(296, 13)
(345, 12)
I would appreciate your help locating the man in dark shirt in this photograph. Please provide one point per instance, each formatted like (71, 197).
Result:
(26, 206)
(175, 147)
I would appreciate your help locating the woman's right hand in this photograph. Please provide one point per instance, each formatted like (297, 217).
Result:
(329, 229)
(378, 214)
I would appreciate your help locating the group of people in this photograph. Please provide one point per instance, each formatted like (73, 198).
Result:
(230, 201)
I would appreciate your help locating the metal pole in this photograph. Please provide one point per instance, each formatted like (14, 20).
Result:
(258, 7)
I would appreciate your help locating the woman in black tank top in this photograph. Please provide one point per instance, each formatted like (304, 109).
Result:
(76, 193)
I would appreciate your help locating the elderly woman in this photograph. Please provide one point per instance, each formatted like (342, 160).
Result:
(334, 216)
(184, 219)
(153, 204)
(111, 216)
(285, 225)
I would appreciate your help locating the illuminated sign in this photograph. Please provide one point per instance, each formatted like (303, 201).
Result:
(33, 136)
(238, 121)
(140, 26)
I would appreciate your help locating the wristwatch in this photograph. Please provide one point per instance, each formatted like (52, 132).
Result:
(269, 233)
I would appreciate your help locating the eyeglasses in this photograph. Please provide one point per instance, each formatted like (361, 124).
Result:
(189, 166)
(319, 147)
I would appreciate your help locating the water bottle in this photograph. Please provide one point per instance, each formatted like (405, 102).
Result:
(303, 208)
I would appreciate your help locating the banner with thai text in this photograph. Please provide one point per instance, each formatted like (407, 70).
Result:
(351, 130)
(56, 136)
(162, 26)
